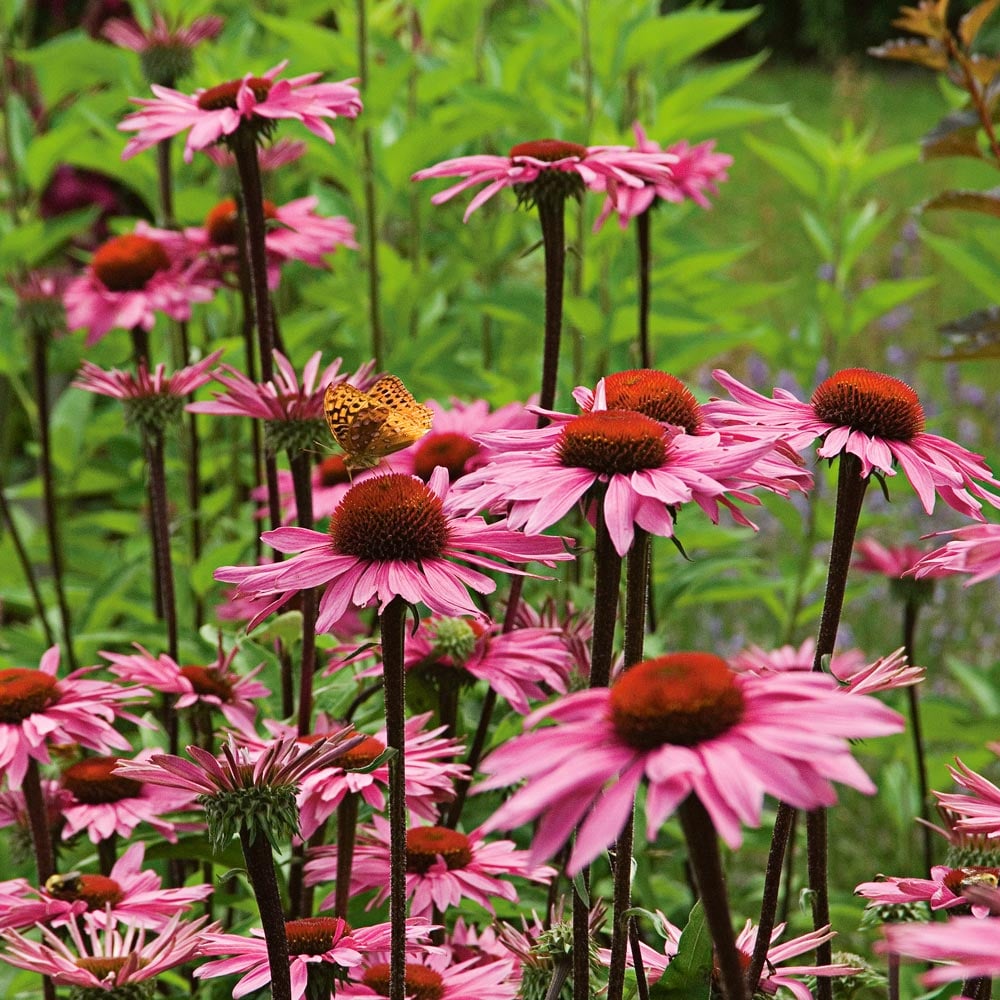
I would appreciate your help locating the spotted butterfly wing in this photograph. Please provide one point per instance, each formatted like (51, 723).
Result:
(370, 425)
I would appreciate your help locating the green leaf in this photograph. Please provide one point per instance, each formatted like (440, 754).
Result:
(792, 165)
(980, 684)
(878, 299)
(689, 974)
(29, 244)
(673, 40)
(308, 44)
(982, 273)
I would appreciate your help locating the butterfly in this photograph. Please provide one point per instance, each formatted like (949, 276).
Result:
(370, 425)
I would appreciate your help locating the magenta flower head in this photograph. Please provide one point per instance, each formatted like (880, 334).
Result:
(944, 890)
(437, 975)
(974, 550)
(968, 947)
(392, 536)
(110, 961)
(549, 168)
(166, 51)
(252, 102)
(292, 410)
(39, 709)
(695, 171)
(443, 867)
(243, 791)
(130, 279)
(151, 400)
(876, 418)
(685, 723)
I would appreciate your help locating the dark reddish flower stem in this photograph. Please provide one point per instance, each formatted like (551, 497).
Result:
(159, 516)
(244, 146)
(302, 483)
(264, 882)
(164, 179)
(49, 500)
(851, 487)
(624, 930)
(780, 836)
(392, 626)
(38, 822)
(607, 581)
(552, 215)
(347, 824)
(486, 715)
(642, 241)
(706, 865)
(892, 976)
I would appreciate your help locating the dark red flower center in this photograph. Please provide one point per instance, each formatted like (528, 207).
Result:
(612, 441)
(222, 223)
(367, 751)
(224, 95)
(208, 680)
(333, 471)
(549, 150)
(94, 890)
(655, 394)
(421, 983)
(93, 782)
(126, 263)
(876, 404)
(958, 879)
(23, 692)
(393, 517)
(314, 935)
(450, 449)
(103, 966)
(425, 843)
(681, 698)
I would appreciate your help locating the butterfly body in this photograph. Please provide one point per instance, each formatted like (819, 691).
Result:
(370, 425)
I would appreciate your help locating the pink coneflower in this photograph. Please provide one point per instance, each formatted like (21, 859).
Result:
(217, 684)
(643, 469)
(532, 167)
(273, 156)
(895, 562)
(166, 50)
(152, 400)
(128, 281)
(437, 976)
(322, 951)
(431, 772)
(686, 723)
(695, 170)
(943, 890)
(850, 667)
(975, 813)
(522, 665)
(575, 627)
(257, 101)
(39, 710)
(292, 410)
(245, 787)
(876, 418)
(107, 803)
(654, 961)
(453, 442)
(974, 549)
(774, 978)
(106, 958)
(127, 894)
(970, 947)
(392, 536)
(443, 867)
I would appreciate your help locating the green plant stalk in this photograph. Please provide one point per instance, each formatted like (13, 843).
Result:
(623, 928)
(40, 366)
(392, 627)
(371, 211)
(706, 865)
(264, 882)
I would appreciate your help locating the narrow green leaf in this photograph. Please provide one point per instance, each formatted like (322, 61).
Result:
(689, 974)
(793, 166)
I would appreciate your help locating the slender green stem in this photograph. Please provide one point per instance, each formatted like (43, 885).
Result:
(911, 610)
(371, 209)
(49, 499)
(642, 231)
(552, 215)
(706, 865)
(393, 621)
(264, 882)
